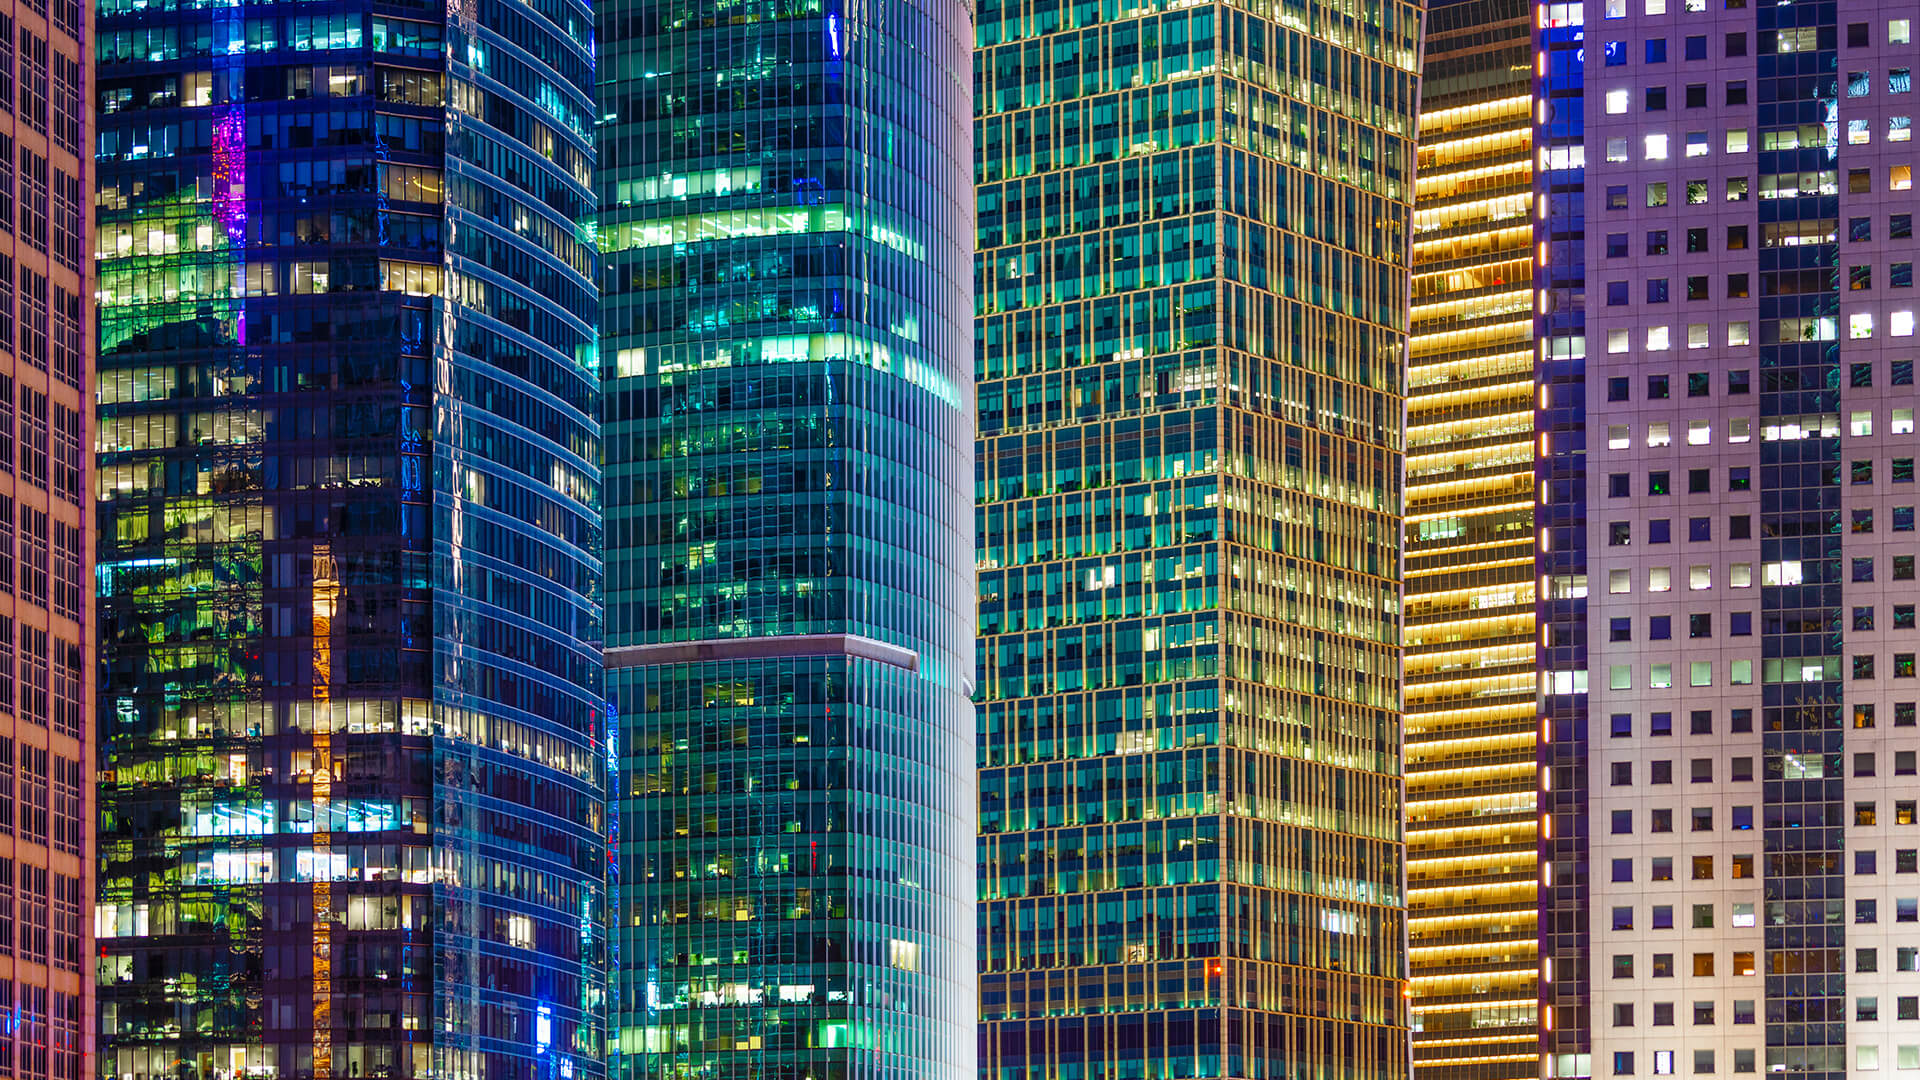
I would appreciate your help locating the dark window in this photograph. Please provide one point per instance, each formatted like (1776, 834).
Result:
(1619, 533)
(1620, 628)
(1699, 481)
(1861, 472)
(1657, 242)
(1697, 240)
(1740, 478)
(1622, 725)
(1616, 196)
(1740, 623)
(1660, 531)
(1696, 47)
(1859, 278)
(1696, 95)
(1860, 229)
(1659, 483)
(1616, 293)
(1900, 275)
(1697, 287)
(1656, 50)
(1660, 628)
(1656, 98)
(1737, 92)
(1736, 283)
(1617, 485)
(1700, 625)
(1860, 375)
(1737, 239)
(1617, 388)
(1617, 245)
(1660, 723)
(1656, 291)
(1737, 43)
(1857, 35)
(1740, 382)
(1657, 387)
(1699, 529)
(1740, 527)
(1900, 226)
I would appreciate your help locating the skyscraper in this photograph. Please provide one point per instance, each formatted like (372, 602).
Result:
(1193, 234)
(348, 464)
(1727, 552)
(789, 413)
(46, 603)
(1472, 830)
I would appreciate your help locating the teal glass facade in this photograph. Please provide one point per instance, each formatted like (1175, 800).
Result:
(352, 818)
(1192, 302)
(789, 564)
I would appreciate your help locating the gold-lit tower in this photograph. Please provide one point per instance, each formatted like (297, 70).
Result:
(1471, 832)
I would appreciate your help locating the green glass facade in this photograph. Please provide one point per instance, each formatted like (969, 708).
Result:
(789, 564)
(1191, 315)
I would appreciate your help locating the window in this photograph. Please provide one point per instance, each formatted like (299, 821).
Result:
(1656, 50)
(1866, 960)
(1623, 917)
(1655, 98)
(1701, 817)
(1622, 822)
(1663, 965)
(1700, 771)
(1660, 627)
(1663, 916)
(1617, 388)
(1866, 1008)
(1623, 1014)
(1740, 381)
(1618, 485)
(1616, 293)
(1900, 226)
(1623, 871)
(1703, 963)
(1617, 243)
(1657, 290)
(1857, 36)
(1703, 869)
(1623, 966)
(1697, 98)
(1700, 625)
(1737, 92)
(1699, 530)
(1657, 193)
(1623, 1063)
(1616, 196)
(1616, 101)
(1659, 482)
(1737, 43)
(1903, 617)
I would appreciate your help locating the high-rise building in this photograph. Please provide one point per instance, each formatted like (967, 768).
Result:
(1726, 415)
(1472, 832)
(352, 808)
(1192, 312)
(789, 426)
(47, 627)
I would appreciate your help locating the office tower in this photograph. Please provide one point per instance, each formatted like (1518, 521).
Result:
(1472, 835)
(46, 608)
(790, 584)
(352, 812)
(1192, 314)
(1727, 422)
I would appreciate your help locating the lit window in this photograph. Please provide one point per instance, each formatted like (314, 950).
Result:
(1656, 7)
(1660, 677)
(1739, 333)
(1740, 575)
(1658, 338)
(1697, 144)
(1619, 581)
(1866, 1057)
(1660, 579)
(1897, 31)
(1860, 424)
(1617, 101)
(1660, 433)
(1654, 146)
(1699, 578)
(1900, 178)
(1903, 421)
(1699, 432)
(1899, 129)
(1740, 429)
(1617, 149)
(1736, 140)
(1900, 324)
(1860, 324)
(1858, 133)
(1619, 341)
(1699, 335)
(1619, 438)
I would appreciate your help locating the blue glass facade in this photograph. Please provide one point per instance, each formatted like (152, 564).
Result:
(353, 817)
(790, 583)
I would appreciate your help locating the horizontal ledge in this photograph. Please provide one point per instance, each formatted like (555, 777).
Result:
(761, 648)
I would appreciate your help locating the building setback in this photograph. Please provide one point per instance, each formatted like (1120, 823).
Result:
(1192, 301)
(789, 410)
(352, 807)
(1727, 553)
(1472, 829)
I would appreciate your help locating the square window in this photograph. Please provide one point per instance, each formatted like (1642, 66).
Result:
(1654, 98)
(1656, 50)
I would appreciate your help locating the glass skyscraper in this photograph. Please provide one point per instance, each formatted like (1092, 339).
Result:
(348, 539)
(789, 426)
(1192, 311)
(1472, 773)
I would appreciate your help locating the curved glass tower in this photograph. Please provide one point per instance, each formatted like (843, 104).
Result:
(352, 813)
(786, 211)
